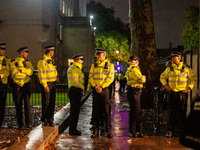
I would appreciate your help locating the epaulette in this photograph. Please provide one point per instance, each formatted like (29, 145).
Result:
(187, 66)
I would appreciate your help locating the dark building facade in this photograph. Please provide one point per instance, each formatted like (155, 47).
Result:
(37, 23)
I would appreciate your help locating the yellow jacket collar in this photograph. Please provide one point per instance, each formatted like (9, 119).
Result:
(78, 64)
(2, 57)
(47, 57)
(102, 62)
(179, 65)
(18, 59)
(134, 66)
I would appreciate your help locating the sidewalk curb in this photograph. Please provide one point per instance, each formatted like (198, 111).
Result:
(41, 136)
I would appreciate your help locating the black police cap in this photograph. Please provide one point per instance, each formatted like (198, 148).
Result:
(100, 50)
(22, 49)
(3, 46)
(77, 56)
(134, 57)
(49, 47)
(177, 51)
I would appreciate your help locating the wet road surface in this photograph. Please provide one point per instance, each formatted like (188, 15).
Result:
(121, 141)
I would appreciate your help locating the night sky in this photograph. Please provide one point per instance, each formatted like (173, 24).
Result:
(121, 8)
(168, 15)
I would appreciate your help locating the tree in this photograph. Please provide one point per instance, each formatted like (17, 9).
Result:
(111, 33)
(114, 41)
(104, 19)
(190, 35)
(143, 39)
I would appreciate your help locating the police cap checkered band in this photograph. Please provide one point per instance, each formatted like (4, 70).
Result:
(134, 57)
(22, 49)
(3, 46)
(99, 51)
(176, 52)
(77, 56)
(49, 47)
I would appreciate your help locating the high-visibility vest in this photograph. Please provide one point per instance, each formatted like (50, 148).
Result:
(101, 74)
(46, 70)
(21, 70)
(134, 77)
(177, 77)
(121, 76)
(76, 76)
(4, 69)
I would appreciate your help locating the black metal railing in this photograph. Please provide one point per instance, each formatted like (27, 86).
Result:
(36, 98)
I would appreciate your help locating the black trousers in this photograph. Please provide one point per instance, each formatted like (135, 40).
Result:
(75, 104)
(48, 103)
(3, 96)
(101, 107)
(19, 94)
(135, 114)
(177, 110)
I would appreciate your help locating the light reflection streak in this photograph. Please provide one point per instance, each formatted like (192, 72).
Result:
(35, 136)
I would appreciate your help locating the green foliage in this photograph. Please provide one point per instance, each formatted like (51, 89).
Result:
(111, 33)
(114, 41)
(190, 34)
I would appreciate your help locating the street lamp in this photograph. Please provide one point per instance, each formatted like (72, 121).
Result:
(94, 28)
(91, 17)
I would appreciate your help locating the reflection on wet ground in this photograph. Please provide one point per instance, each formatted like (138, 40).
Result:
(121, 140)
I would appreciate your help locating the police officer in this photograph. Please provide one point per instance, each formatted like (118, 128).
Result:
(100, 77)
(76, 80)
(4, 73)
(47, 75)
(21, 70)
(135, 81)
(175, 79)
(121, 81)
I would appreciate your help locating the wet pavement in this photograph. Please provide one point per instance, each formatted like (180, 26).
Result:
(152, 140)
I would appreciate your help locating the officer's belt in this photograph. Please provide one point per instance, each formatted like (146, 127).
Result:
(133, 88)
(76, 88)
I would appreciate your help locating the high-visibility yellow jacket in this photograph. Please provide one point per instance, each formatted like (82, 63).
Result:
(46, 70)
(21, 70)
(4, 69)
(177, 77)
(76, 76)
(121, 76)
(89, 88)
(134, 77)
(101, 74)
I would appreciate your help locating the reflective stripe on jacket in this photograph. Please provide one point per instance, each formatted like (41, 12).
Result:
(21, 73)
(101, 74)
(46, 70)
(134, 77)
(4, 69)
(76, 76)
(177, 77)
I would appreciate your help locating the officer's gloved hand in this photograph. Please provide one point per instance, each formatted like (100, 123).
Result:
(98, 89)
(167, 88)
(46, 89)
(83, 91)
(187, 90)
